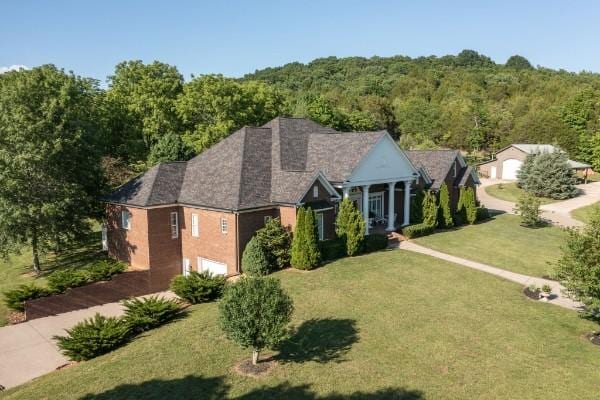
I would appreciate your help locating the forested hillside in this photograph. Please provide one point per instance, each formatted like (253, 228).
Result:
(465, 101)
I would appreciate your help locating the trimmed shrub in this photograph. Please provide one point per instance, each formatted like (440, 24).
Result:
(15, 299)
(104, 270)
(547, 175)
(93, 337)
(255, 261)
(305, 249)
(470, 206)
(143, 314)
(198, 287)
(375, 242)
(483, 214)
(60, 281)
(332, 249)
(444, 219)
(430, 210)
(418, 230)
(416, 207)
(276, 241)
(350, 227)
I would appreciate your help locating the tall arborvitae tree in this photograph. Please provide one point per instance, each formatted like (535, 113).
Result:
(305, 249)
(548, 175)
(416, 207)
(444, 212)
(430, 209)
(350, 227)
(461, 212)
(50, 175)
(470, 205)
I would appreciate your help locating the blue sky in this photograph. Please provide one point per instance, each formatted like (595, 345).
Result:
(237, 37)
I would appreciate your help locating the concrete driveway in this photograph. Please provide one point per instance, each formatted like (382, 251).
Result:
(27, 350)
(558, 213)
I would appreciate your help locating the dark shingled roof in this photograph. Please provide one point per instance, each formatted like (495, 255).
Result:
(437, 163)
(253, 167)
(158, 186)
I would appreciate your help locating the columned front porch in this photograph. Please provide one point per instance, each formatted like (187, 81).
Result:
(383, 204)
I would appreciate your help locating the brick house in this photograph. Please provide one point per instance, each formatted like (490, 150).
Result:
(199, 214)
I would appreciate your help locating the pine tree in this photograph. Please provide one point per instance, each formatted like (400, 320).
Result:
(430, 209)
(444, 214)
(350, 227)
(305, 249)
(547, 175)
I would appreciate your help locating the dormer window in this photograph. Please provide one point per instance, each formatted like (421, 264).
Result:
(315, 191)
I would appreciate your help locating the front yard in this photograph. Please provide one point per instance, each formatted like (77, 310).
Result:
(502, 242)
(583, 214)
(510, 192)
(391, 324)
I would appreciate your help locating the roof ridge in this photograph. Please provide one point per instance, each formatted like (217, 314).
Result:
(241, 176)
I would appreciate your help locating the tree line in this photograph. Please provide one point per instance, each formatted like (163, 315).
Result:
(65, 140)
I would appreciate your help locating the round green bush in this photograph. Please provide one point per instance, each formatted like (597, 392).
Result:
(255, 260)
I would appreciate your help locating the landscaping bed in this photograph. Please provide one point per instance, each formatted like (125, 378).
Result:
(390, 324)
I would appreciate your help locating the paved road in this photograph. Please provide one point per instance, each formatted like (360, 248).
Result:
(558, 213)
(27, 350)
(559, 299)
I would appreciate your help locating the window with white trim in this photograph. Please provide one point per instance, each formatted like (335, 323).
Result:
(195, 230)
(454, 170)
(174, 225)
(315, 191)
(125, 220)
(224, 225)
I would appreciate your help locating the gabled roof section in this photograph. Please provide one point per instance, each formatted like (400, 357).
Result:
(437, 163)
(159, 185)
(535, 148)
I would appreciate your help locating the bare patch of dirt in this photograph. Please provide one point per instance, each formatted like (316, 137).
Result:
(262, 368)
(67, 365)
(16, 317)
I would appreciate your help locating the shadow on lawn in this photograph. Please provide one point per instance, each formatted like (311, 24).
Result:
(80, 254)
(319, 340)
(197, 387)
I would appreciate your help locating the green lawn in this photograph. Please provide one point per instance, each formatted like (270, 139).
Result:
(510, 192)
(392, 325)
(583, 214)
(17, 269)
(502, 242)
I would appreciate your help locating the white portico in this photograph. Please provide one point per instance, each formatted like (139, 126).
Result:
(373, 184)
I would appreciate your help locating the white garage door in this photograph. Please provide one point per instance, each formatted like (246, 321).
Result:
(510, 168)
(214, 267)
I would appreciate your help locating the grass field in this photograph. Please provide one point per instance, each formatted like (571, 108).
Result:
(502, 242)
(389, 325)
(17, 269)
(583, 214)
(510, 192)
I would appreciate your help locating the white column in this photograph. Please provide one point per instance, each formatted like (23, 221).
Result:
(390, 216)
(365, 207)
(406, 203)
(346, 192)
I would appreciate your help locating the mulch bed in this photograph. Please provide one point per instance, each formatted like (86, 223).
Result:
(16, 317)
(67, 365)
(262, 368)
(530, 294)
(594, 337)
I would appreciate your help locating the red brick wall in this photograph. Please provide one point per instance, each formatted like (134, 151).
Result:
(287, 214)
(210, 243)
(130, 246)
(164, 251)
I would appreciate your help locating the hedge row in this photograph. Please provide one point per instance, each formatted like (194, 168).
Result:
(60, 281)
(417, 230)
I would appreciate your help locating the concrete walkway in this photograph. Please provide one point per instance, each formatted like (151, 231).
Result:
(558, 213)
(558, 299)
(27, 350)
